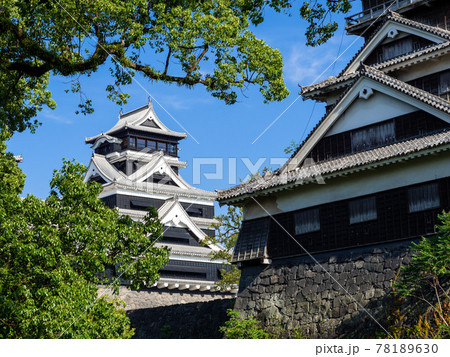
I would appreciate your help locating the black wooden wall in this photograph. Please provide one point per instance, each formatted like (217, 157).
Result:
(393, 222)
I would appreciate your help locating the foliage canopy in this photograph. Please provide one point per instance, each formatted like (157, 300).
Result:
(185, 42)
(51, 253)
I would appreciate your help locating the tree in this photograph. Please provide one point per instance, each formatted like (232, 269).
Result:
(52, 251)
(185, 42)
(425, 282)
(227, 228)
(239, 328)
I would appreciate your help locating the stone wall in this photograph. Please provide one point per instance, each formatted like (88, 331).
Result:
(299, 293)
(193, 320)
(150, 298)
(163, 313)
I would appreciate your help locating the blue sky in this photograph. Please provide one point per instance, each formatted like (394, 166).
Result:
(222, 131)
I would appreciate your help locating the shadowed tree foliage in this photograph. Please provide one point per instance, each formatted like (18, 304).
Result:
(227, 228)
(208, 43)
(51, 253)
(424, 286)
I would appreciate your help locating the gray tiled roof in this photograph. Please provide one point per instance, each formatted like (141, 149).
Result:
(393, 16)
(327, 82)
(361, 160)
(412, 55)
(422, 95)
(379, 76)
(391, 62)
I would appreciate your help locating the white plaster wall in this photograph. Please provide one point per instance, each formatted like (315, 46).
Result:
(425, 68)
(358, 184)
(364, 112)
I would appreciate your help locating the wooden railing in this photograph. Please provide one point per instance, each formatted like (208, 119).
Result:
(377, 10)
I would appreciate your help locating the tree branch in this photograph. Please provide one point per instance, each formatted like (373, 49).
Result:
(199, 58)
(51, 59)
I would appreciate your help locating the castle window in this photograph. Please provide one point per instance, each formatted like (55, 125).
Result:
(363, 210)
(373, 136)
(172, 149)
(424, 197)
(252, 240)
(162, 146)
(151, 144)
(307, 221)
(132, 142)
(140, 143)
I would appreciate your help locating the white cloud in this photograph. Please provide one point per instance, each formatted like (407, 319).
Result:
(61, 119)
(307, 65)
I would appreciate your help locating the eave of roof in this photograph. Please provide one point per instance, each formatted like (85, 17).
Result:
(344, 80)
(345, 165)
(395, 17)
(130, 119)
(163, 190)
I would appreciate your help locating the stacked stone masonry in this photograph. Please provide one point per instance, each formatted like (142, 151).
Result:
(326, 298)
(150, 298)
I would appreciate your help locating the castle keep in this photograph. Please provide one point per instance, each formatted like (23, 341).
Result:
(137, 163)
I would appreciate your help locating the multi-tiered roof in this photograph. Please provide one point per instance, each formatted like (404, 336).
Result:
(389, 105)
(137, 163)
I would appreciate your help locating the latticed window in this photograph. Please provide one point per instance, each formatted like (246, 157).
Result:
(363, 210)
(307, 221)
(373, 136)
(424, 197)
(252, 240)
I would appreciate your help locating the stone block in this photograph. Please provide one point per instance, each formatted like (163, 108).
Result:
(318, 268)
(359, 264)
(379, 293)
(310, 297)
(335, 312)
(369, 293)
(288, 311)
(273, 279)
(309, 290)
(302, 283)
(278, 288)
(302, 307)
(352, 307)
(318, 279)
(389, 274)
(323, 287)
(352, 289)
(265, 281)
(291, 291)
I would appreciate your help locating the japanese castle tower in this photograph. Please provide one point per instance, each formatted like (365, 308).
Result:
(137, 163)
(382, 149)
